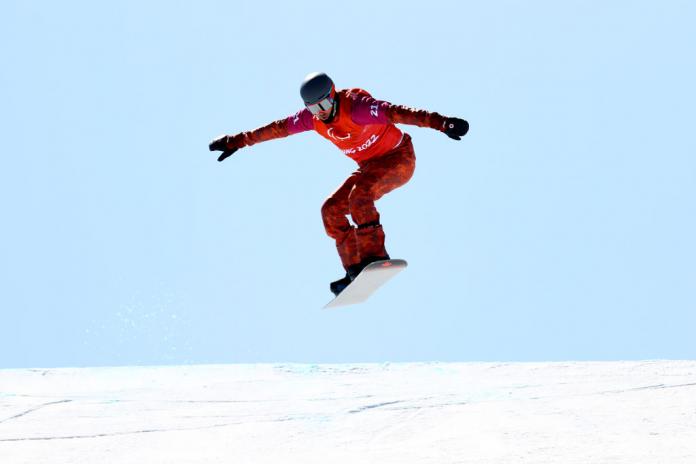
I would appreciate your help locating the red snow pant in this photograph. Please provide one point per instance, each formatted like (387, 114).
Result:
(357, 196)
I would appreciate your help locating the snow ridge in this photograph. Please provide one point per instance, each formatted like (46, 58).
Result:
(608, 412)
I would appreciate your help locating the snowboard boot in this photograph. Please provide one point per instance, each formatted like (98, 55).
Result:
(370, 239)
(339, 285)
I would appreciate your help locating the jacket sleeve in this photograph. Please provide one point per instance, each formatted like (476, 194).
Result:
(299, 122)
(399, 114)
(367, 110)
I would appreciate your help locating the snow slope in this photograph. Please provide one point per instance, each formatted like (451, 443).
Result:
(604, 412)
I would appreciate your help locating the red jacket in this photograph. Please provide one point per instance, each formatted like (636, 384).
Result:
(362, 128)
(356, 133)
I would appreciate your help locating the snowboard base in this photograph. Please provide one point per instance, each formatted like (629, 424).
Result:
(368, 281)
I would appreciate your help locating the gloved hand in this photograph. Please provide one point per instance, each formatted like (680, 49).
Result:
(456, 128)
(226, 144)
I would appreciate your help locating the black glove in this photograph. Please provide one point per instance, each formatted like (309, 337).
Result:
(456, 128)
(225, 144)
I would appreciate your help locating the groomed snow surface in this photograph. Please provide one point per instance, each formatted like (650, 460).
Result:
(603, 412)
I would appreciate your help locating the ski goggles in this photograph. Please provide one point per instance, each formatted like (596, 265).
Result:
(321, 106)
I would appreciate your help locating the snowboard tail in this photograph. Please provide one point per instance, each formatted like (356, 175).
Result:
(368, 281)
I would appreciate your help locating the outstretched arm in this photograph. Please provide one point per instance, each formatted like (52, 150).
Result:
(228, 144)
(367, 110)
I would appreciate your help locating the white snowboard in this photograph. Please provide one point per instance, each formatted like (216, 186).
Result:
(368, 281)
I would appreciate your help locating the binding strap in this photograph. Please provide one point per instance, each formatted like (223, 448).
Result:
(370, 225)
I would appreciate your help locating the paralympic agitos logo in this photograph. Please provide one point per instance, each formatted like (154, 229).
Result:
(336, 136)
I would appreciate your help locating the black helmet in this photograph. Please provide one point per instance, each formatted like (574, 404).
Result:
(316, 87)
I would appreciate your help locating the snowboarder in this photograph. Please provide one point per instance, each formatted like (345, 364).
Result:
(363, 129)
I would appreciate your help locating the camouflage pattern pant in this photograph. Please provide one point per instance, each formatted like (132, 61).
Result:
(357, 196)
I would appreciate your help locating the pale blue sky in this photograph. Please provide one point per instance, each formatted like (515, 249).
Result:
(561, 228)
